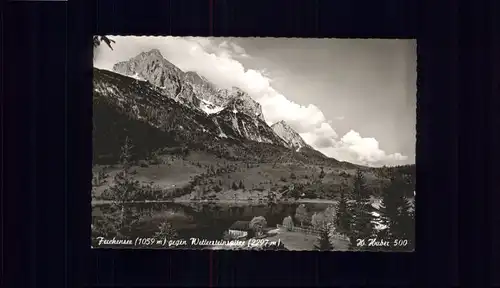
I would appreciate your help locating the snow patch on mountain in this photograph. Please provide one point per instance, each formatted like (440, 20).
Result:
(221, 132)
(236, 127)
(209, 107)
(298, 149)
(136, 77)
(245, 129)
(194, 91)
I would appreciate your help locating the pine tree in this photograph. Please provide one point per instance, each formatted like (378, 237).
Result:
(98, 39)
(362, 226)
(396, 215)
(405, 225)
(411, 229)
(322, 174)
(165, 230)
(124, 189)
(343, 218)
(126, 154)
(388, 209)
(234, 186)
(323, 241)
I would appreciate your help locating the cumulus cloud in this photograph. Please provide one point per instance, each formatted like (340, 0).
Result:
(217, 60)
(352, 147)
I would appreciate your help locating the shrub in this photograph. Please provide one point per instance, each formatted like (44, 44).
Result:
(318, 221)
(301, 214)
(288, 223)
(165, 230)
(257, 224)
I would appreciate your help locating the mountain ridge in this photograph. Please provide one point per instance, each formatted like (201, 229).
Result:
(225, 133)
(289, 135)
(219, 133)
(187, 87)
(229, 114)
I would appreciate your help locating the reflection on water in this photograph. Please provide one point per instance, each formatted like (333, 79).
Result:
(202, 220)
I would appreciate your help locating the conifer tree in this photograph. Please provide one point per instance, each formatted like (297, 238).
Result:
(165, 230)
(362, 226)
(323, 243)
(322, 174)
(388, 212)
(343, 218)
(124, 189)
(405, 225)
(234, 186)
(98, 39)
(396, 214)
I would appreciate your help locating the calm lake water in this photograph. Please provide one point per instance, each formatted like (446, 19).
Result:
(202, 220)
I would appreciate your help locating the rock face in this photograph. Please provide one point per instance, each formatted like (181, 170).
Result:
(189, 87)
(247, 127)
(147, 90)
(143, 101)
(240, 101)
(290, 136)
(152, 67)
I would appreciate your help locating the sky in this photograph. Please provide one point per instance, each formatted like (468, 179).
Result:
(351, 99)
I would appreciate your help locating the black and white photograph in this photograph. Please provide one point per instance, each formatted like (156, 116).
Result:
(232, 143)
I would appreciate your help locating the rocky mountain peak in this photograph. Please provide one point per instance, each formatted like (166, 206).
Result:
(152, 67)
(189, 88)
(283, 125)
(240, 101)
(154, 52)
(288, 134)
(196, 79)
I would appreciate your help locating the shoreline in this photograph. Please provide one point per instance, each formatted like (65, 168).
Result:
(95, 202)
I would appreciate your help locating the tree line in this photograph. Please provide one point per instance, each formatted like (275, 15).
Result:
(356, 220)
(353, 217)
(122, 220)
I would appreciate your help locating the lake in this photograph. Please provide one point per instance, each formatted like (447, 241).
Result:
(204, 220)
